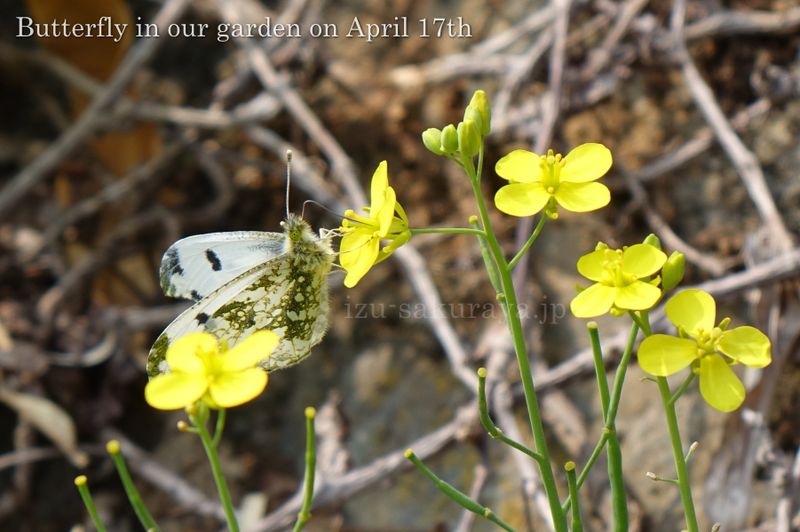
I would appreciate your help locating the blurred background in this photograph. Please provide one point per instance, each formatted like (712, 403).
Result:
(110, 151)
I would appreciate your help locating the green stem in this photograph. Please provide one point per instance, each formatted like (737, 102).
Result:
(577, 522)
(88, 502)
(524, 249)
(619, 508)
(520, 350)
(199, 420)
(599, 367)
(448, 231)
(142, 513)
(311, 460)
(456, 495)
(493, 430)
(220, 427)
(684, 486)
(682, 388)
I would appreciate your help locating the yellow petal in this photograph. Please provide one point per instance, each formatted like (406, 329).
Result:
(357, 254)
(692, 310)
(519, 166)
(586, 163)
(663, 355)
(719, 385)
(521, 199)
(386, 214)
(232, 389)
(171, 391)
(582, 197)
(247, 354)
(747, 345)
(594, 301)
(642, 260)
(591, 264)
(637, 296)
(183, 354)
(378, 186)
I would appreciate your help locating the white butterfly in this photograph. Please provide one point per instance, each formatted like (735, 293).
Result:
(247, 281)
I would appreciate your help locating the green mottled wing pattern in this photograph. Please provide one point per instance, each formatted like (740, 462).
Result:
(286, 294)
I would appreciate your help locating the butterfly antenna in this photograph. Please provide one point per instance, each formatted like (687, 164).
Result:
(288, 178)
(323, 207)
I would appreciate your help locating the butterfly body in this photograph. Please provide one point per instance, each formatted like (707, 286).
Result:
(247, 281)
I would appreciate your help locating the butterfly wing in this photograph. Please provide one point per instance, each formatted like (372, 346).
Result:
(195, 266)
(286, 294)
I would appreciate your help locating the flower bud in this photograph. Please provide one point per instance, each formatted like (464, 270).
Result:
(673, 270)
(469, 139)
(472, 113)
(480, 102)
(432, 139)
(653, 241)
(449, 139)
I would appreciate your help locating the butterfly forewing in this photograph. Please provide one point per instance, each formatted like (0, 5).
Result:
(195, 266)
(285, 292)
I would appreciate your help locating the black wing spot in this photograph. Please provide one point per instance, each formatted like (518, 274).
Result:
(202, 318)
(212, 257)
(196, 295)
(172, 263)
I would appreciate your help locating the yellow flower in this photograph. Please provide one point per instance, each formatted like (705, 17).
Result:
(709, 349)
(546, 181)
(360, 247)
(621, 280)
(199, 371)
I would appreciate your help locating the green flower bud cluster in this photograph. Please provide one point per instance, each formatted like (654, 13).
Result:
(464, 140)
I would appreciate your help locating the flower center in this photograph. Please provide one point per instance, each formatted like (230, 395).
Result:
(551, 165)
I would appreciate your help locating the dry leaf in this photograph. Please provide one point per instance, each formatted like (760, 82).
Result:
(49, 419)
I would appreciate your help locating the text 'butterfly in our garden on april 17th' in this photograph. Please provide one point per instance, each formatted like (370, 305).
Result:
(246, 281)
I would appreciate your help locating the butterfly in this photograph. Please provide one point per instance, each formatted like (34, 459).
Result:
(245, 281)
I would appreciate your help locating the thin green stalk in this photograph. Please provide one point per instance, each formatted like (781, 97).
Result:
(199, 420)
(220, 427)
(88, 502)
(684, 485)
(448, 230)
(464, 500)
(311, 463)
(520, 350)
(488, 261)
(524, 249)
(493, 430)
(599, 367)
(682, 388)
(142, 513)
(572, 483)
(619, 503)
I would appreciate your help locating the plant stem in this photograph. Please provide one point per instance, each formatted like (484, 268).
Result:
(489, 425)
(142, 513)
(616, 479)
(520, 350)
(448, 230)
(577, 522)
(220, 427)
(199, 421)
(524, 249)
(88, 502)
(311, 460)
(684, 486)
(455, 494)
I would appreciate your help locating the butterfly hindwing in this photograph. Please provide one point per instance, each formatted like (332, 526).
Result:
(195, 266)
(286, 293)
